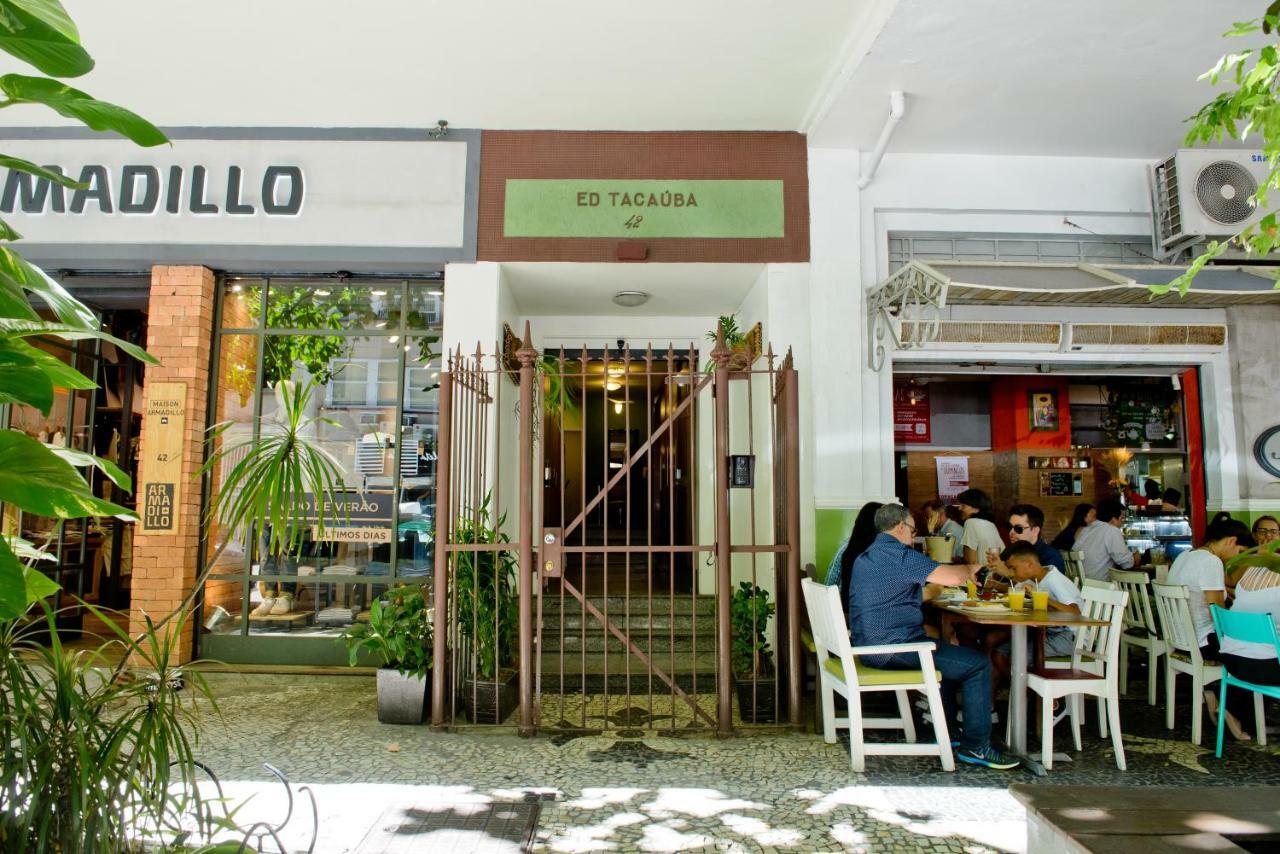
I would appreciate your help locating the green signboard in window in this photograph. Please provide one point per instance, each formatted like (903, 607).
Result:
(553, 207)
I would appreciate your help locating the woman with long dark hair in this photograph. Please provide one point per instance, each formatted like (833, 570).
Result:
(980, 534)
(841, 568)
(1084, 515)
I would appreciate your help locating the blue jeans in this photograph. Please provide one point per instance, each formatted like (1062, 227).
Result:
(967, 671)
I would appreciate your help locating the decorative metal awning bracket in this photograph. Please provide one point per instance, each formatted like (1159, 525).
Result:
(904, 311)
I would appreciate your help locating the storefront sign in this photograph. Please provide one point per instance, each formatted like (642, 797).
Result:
(551, 207)
(233, 197)
(163, 433)
(953, 477)
(1266, 451)
(354, 517)
(911, 414)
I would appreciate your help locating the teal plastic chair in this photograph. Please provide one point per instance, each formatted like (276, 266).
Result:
(1249, 628)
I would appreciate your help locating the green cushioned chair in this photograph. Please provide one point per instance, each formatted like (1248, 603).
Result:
(841, 672)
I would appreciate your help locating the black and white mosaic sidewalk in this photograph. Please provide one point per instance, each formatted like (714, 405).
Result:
(406, 789)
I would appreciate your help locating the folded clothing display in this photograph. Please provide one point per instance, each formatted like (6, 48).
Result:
(339, 569)
(336, 616)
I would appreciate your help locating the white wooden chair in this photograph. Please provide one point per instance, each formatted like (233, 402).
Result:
(840, 672)
(1183, 653)
(1073, 565)
(1085, 581)
(1093, 673)
(1140, 628)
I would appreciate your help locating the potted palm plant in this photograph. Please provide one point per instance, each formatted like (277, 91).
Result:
(488, 615)
(752, 660)
(399, 634)
(744, 347)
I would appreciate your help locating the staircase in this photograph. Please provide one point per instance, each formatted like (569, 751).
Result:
(676, 632)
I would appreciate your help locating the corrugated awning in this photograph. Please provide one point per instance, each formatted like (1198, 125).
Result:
(1011, 283)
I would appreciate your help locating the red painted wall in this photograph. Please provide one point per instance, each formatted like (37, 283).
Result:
(1011, 415)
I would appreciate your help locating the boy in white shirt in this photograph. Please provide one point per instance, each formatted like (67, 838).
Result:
(1022, 565)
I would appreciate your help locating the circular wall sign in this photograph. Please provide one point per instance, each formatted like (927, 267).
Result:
(1267, 450)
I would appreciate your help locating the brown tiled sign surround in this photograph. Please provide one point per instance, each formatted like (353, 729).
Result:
(658, 156)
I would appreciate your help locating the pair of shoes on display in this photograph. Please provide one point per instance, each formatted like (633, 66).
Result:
(1233, 723)
(274, 606)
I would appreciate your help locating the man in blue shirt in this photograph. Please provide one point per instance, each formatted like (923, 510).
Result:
(1026, 524)
(886, 595)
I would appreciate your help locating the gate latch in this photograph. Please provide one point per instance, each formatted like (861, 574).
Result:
(550, 553)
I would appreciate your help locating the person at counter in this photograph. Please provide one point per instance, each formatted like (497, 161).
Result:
(980, 534)
(1084, 515)
(1171, 501)
(1266, 529)
(1026, 523)
(1102, 544)
(886, 596)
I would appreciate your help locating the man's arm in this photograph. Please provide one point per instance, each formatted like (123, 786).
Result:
(1118, 551)
(953, 574)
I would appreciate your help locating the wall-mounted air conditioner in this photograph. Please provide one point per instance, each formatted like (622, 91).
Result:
(1202, 194)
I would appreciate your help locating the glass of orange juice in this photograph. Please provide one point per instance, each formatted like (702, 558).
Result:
(1040, 600)
(972, 588)
(1017, 597)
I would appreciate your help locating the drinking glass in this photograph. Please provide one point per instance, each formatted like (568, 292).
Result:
(1040, 600)
(1017, 597)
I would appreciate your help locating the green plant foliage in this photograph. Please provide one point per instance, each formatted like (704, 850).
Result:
(42, 34)
(1268, 556)
(298, 308)
(1248, 108)
(398, 632)
(749, 613)
(485, 587)
(90, 759)
(275, 477)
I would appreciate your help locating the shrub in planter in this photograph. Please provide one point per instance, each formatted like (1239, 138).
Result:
(488, 615)
(399, 633)
(754, 673)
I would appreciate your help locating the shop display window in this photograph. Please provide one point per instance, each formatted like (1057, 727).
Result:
(370, 348)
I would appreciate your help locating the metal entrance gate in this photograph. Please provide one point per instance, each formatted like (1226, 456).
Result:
(600, 595)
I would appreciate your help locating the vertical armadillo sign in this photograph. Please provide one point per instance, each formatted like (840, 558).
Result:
(163, 430)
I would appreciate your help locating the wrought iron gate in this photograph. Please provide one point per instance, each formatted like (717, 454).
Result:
(649, 506)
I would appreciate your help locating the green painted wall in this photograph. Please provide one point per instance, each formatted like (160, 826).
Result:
(831, 527)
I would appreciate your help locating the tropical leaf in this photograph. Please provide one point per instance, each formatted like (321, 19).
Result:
(19, 165)
(80, 459)
(8, 232)
(38, 481)
(41, 33)
(20, 328)
(17, 276)
(74, 104)
(13, 584)
(22, 381)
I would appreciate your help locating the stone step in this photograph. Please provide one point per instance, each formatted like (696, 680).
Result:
(635, 604)
(641, 624)
(598, 642)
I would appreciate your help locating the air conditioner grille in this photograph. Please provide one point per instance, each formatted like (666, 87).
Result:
(1141, 335)
(981, 332)
(1171, 213)
(1224, 190)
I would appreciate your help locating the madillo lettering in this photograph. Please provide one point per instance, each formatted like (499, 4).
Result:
(145, 189)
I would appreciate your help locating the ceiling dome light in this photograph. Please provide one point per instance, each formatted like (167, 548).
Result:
(630, 299)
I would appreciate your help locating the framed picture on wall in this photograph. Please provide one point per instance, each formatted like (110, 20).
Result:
(1042, 407)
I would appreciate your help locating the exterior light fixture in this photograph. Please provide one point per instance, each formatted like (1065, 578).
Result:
(612, 385)
(617, 407)
(630, 299)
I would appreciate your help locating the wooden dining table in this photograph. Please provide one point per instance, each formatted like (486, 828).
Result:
(1017, 625)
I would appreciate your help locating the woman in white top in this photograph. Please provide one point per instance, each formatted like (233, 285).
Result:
(1257, 592)
(980, 534)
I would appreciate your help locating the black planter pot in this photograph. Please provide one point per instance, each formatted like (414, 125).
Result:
(491, 702)
(757, 700)
(402, 699)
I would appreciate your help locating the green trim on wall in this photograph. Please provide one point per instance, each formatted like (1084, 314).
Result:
(830, 529)
(264, 649)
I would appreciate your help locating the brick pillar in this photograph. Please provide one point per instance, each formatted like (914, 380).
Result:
(180, 334)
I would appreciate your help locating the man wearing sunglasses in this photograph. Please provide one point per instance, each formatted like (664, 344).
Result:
(1025, 524)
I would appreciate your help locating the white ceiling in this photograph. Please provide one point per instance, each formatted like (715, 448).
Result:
(676, 290)
(1086, 77)
(559, 64)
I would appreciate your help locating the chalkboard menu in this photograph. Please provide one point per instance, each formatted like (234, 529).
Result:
(1140, 414)
(1061, 484)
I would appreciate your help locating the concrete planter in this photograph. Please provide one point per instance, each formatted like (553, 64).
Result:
(402, 699)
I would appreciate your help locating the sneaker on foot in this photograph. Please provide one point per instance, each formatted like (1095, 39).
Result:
(989, 757)
(264, 608)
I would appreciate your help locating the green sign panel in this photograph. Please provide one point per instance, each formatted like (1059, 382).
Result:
(546, 207)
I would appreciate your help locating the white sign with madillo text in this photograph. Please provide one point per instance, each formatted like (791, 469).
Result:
(376, 193)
